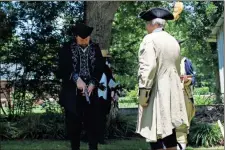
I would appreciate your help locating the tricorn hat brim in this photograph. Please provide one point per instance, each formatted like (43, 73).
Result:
(156, 13)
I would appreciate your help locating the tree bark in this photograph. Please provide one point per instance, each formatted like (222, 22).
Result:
(217, 90)
(100, 14)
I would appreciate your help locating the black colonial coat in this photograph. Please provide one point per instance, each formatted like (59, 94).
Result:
(69, 63)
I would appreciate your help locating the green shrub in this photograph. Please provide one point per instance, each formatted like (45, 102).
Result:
(132, 95)
(204, 134)
(121, 127)
(201, 100)
(8, 130)
(126, 81)
(128, 105)
(45, 126)
(126, 100)
(35, 126)
(52, 126)
(201, 91)
(51, 107)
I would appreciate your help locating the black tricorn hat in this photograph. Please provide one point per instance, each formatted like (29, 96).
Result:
(82, 30)
(153, 13)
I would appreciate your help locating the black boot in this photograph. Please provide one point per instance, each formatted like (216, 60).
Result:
(75, 145)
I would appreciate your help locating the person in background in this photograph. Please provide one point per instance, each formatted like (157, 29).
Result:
(161, 101)
(188, 82)
(107, 84)
(80, 69)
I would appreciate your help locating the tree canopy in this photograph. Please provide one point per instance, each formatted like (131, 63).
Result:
(31, 34)
(194, 26)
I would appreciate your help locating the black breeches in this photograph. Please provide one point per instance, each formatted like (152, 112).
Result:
(104, 108)
(87, 116)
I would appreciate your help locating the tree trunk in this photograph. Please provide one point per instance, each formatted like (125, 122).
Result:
(217, 90)
(100, 15)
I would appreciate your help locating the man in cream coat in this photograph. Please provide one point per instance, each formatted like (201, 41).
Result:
(161, 101)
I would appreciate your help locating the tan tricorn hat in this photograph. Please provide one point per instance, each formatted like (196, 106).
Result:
(105, 53)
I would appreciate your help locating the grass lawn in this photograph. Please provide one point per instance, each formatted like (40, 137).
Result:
(36, 109)
(134, 144)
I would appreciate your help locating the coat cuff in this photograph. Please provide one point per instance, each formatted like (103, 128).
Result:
(188, 82)
(143, 96)
(75, 77)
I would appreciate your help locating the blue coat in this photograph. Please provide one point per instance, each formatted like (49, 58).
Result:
(189, 70)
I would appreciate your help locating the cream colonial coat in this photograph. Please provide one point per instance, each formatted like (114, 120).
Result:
(159, 69)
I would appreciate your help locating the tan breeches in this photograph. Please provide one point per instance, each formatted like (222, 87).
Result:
(182, 131)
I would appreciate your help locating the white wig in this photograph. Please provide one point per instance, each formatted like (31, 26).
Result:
(159, 21)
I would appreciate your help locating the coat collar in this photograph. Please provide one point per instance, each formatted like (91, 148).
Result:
(158, 30)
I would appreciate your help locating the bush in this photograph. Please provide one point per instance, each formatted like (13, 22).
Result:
(132, 95)
(52, 126)
(202, 91)
(8, 130)
(202, 100)
(126, 81)
(46, 126)
(34, 126)
(204, 134)
(121, 127)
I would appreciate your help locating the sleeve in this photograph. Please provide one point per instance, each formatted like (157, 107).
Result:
(147, 65)
(190, 71)
(99, 66)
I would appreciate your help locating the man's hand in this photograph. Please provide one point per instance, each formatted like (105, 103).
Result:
(90, 88)
(185, 78)
(143, 97)
(80, 84)
(112, 94)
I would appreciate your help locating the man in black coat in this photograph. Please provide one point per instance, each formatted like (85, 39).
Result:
(80, 68)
